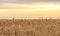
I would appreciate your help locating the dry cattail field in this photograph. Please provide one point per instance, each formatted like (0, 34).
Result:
(30, 27)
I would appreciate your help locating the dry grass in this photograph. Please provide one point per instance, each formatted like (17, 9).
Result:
(30, 27)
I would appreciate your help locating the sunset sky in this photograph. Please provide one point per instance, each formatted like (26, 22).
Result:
(29, 8)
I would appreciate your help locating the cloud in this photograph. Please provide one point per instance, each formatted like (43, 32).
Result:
(15, 6)
(29, 1)
(46, 0)
(45, 6)
(30, 9)
(40, 5)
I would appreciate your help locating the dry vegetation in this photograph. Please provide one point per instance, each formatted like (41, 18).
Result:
(30, 27)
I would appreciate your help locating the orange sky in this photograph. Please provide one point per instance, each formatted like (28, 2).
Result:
(31, 10)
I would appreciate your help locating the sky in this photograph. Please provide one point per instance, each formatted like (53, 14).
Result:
(29, 8)
(29, 0)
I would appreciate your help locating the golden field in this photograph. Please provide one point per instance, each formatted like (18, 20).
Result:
(29, 27)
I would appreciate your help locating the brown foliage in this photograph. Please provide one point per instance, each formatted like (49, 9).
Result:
(30, 27)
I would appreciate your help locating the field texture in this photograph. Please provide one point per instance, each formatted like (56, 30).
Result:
(30, 27)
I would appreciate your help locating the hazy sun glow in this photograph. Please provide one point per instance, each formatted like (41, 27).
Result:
(31, 10)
